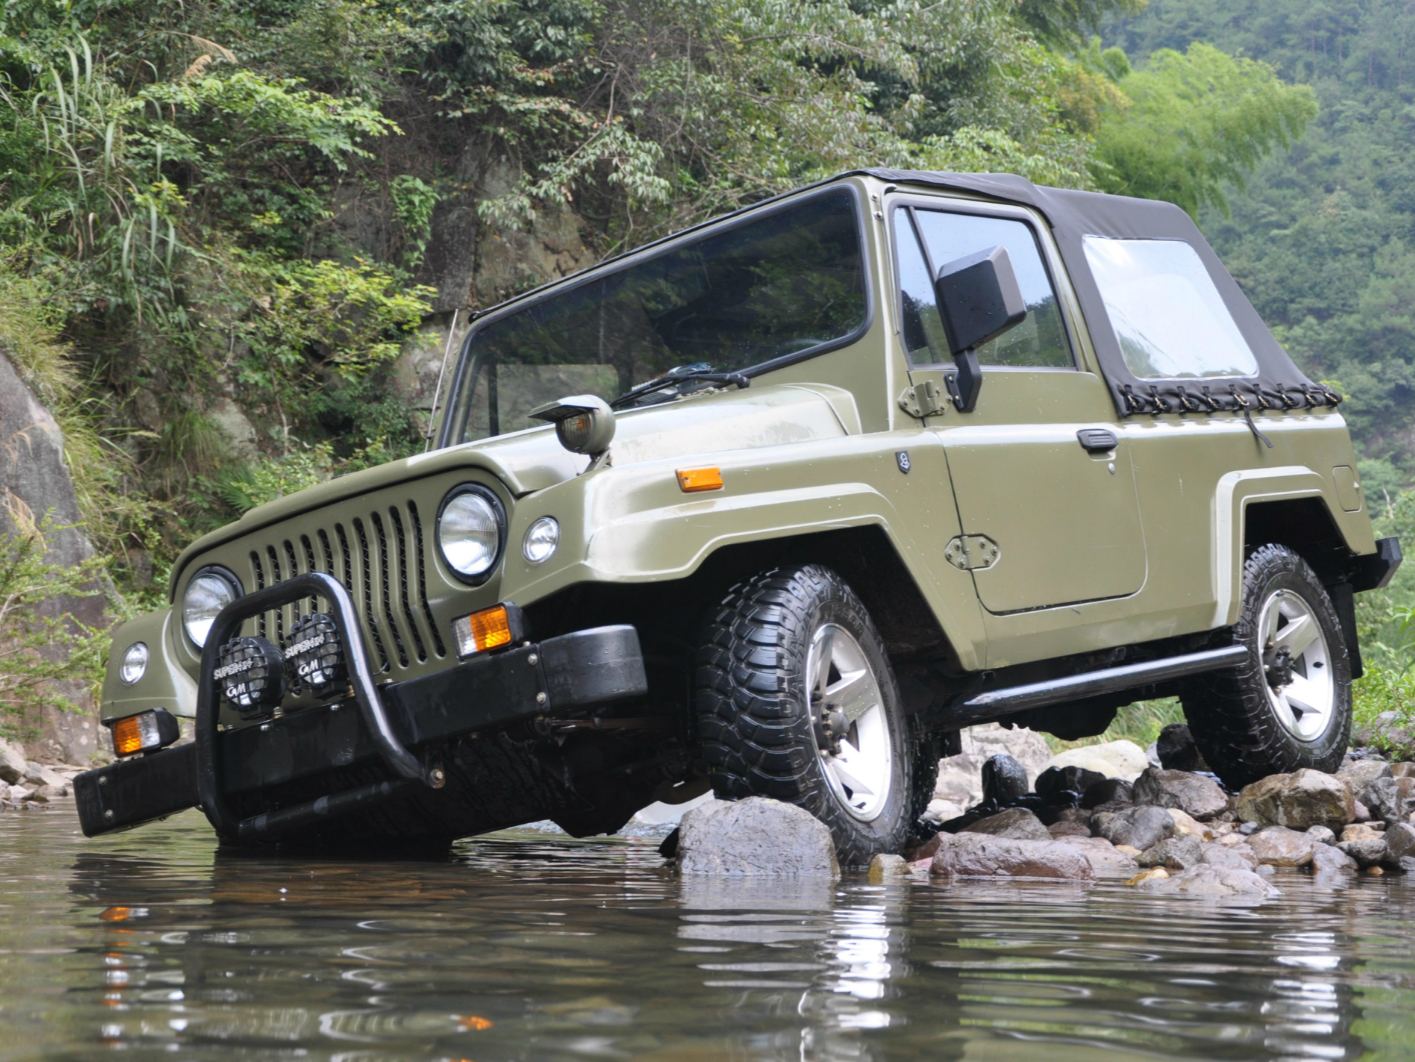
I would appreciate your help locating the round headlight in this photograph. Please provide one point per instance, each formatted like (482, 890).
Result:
(134, 663)
(469, 531)
(541, 539)
(210, 590)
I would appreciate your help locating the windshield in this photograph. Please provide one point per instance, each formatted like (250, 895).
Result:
(734, 297)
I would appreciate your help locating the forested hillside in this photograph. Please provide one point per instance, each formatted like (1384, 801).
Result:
(1323, 237)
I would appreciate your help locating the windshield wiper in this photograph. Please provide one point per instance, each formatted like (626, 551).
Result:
(699, 371)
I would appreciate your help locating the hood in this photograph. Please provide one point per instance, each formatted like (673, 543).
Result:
(531, 460)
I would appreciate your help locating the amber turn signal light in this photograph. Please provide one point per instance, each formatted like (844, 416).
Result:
(692, 480)
(144, 732)
(491, 628)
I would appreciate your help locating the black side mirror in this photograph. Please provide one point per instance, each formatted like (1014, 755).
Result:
(978, 299)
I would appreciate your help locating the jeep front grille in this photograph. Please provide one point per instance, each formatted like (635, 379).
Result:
(381, 558)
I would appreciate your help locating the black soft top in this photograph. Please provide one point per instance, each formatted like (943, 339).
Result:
(1072, 216)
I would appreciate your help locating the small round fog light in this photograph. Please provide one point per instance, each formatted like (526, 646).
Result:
(541, 539)
(134, 663)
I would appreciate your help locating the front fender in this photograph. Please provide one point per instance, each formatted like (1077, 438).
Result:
(635, 524)
(164, 684)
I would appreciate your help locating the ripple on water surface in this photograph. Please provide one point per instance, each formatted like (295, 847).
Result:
(529, 946)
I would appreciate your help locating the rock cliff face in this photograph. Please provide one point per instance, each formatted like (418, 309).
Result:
(33, 474)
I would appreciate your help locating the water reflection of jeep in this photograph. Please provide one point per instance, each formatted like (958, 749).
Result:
(776, 506)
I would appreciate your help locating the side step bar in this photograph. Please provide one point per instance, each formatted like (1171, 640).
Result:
(994, 703)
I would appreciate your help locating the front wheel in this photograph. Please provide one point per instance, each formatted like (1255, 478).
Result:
(796, 700)
(1288, 705)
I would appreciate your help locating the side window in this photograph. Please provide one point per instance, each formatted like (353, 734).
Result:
(1169, 319)
(1040, 341)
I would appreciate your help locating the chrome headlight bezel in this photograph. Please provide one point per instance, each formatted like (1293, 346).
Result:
(498, 512)
(549, 529)
(225, 576)
(132, 666)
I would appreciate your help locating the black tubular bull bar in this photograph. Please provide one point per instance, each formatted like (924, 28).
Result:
(209, 781)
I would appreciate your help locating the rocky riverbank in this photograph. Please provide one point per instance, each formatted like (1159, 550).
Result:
(1157, 820)
(27, 785)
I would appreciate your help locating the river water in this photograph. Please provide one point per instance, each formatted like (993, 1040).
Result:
(534, 946)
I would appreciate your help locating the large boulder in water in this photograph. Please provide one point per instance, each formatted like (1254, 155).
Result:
(756, 836)
(1298, 800)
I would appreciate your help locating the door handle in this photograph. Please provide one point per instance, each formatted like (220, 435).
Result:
(1097, 440)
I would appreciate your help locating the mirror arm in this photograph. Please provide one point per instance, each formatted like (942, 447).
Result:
(964, 385)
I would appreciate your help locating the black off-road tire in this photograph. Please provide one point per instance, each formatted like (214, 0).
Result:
(755, 722)
(1231, 713)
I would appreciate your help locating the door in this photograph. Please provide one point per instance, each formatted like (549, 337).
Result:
(1041, 476)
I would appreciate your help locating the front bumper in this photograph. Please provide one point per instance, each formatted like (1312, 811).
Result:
(571, 672)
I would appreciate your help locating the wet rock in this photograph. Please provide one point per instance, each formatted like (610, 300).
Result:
(972, 855)
(38, 774)
(1278, 846)
(1174, 853)
(1400, 839)
(1361, 773)
(1240, 857)
(1390, 799)
(1201, 797)
(1328, 859)
(1176, 750)
(1070, 828)
(755, 836)
(37, 796)
(1321, 834)
(1113, 759)
(1189, 826)
(1138, 827)
(1360, 831)
(888, 868)
(1148, 875)
(960, 776)
(1208, 880)
(1367, 851)
(1298, 800)
(1062, 787)
(1108, 791)
(12, 764)
(924, 850)
(1105, 859)
(941, 811)
(1362, 812)
(1004, 780)
(1017, 823)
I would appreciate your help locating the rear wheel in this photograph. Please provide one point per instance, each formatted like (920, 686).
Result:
(796, 700)
(1288, 705)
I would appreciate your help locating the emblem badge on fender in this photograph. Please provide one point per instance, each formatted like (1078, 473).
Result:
(902, 456)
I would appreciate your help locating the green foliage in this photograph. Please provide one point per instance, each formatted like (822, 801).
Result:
(39, 649)
(1195, 123)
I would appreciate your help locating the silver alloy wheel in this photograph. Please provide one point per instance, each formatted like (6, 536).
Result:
(850, 724)
(1296, 664)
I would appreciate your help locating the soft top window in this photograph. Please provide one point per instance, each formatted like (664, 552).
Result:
(787, 282)
(1168, 316)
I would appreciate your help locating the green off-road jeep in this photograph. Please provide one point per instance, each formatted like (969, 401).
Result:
(776, 506)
